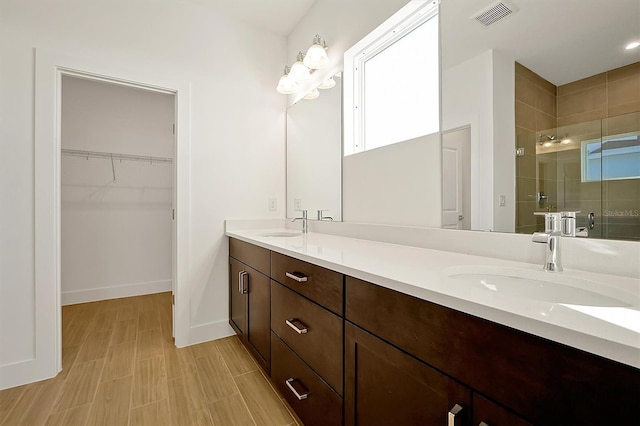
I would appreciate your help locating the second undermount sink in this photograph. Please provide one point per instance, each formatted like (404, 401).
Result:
(538, 285)
(281, 234)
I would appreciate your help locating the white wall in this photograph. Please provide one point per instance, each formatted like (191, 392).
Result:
(115, 236)
(342, 24)
(237, 135)
(396, 184)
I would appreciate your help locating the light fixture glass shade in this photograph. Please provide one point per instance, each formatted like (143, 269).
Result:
(316, 57)
(327, 84)
(312, 94)
(287, 85)
(299, 71)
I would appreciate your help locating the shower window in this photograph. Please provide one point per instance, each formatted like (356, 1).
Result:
(612, 158)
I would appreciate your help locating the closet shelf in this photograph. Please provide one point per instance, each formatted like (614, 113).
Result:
(115, 156)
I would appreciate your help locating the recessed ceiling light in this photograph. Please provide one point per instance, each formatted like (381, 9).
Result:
(632, 45)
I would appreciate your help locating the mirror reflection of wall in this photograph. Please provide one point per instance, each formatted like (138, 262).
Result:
(565, 99)
(579, 150)
(314, 147)
(391, 126)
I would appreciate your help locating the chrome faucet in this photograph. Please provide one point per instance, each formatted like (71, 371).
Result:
(569, 225)
(556, 226)
(551, 237)
(321, 215)
(304, 221)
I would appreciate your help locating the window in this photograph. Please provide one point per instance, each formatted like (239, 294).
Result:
(393, 94)
(613, 157)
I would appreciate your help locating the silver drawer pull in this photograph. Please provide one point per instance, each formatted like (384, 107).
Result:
(300, 330)
(297, 276)
(300, 395)
(454, 416)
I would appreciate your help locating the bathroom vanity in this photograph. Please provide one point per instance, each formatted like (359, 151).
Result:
(369, 333)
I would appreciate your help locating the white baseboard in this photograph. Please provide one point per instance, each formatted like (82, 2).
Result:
(210, 331)
(104, 293)
(23, 372)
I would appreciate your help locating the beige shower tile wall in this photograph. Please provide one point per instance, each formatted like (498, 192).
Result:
(541, 106)
(535, 110)
(604, 95)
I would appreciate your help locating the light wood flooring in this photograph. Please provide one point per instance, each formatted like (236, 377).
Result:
(120, 367)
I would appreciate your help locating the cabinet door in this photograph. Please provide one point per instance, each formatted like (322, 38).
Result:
(385, 386)
(487, 413)
(237, 299)
(259, 334)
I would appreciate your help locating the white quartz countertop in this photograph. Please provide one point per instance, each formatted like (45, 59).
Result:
(609, 331)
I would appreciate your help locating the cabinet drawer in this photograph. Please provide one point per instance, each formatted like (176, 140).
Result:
(320, 285)
(320, 344)
(257, 257)
(322, 406)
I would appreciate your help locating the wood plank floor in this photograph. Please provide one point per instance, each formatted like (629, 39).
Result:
(120, 367)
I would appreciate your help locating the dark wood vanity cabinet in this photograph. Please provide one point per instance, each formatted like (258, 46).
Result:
(386, 386)
(344, 351)
(515, 377)
(250, 298)
(307, 326)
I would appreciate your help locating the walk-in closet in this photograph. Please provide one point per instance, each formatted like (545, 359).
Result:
(117, 190)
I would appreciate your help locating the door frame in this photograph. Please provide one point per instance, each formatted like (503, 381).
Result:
(50, 66)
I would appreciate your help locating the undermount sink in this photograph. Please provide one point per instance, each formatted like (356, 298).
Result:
(281, 234)
(538, 285)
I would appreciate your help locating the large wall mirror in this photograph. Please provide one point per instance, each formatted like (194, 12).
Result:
(540, 111)
(546, 99)
(314, 150)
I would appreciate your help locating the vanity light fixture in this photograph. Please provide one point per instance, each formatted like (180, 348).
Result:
(299, 71)
(316, 56)
(632, 45)
(327, 84)
(312, 94)
(287, 85)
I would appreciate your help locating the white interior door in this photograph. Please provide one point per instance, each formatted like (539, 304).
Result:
(456, 179)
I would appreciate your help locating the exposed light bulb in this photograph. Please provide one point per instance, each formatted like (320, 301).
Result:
(316, 56)
(632, 45)
(327, 84)
(312, 94)
(299, 70)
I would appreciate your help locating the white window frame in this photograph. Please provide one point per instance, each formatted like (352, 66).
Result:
(411, 16)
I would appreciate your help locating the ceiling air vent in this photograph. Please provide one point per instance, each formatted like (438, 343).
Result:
(495, 12)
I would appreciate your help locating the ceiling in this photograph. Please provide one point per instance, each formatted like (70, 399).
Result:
(561, 40)
(276, 16)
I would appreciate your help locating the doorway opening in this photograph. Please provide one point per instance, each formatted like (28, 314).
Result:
(117, 214)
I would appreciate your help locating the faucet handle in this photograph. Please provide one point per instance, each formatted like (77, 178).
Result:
(570, 214)
(321, 215)
(552, 221)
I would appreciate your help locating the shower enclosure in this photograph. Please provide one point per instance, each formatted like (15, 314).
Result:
(591, 167)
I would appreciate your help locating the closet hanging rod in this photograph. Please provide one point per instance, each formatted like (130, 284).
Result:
(115, 156)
